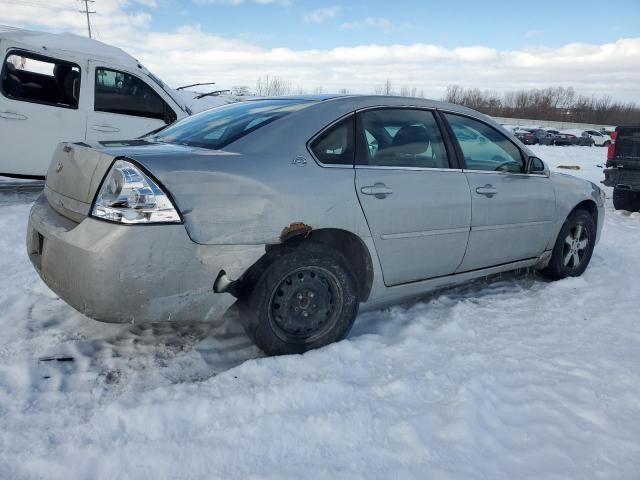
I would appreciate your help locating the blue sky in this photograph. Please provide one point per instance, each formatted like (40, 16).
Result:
(508, 25)
(327, 45)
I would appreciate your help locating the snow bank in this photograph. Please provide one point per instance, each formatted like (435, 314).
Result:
(513, 378)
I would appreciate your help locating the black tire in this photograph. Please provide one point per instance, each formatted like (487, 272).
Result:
(571, 256)
(626, 200)
(305, 299)
(606, 144)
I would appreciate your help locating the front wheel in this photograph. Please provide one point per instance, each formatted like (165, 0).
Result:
(574, 246)
(305, 299)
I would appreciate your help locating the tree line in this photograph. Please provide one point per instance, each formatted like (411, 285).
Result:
(562, 104)
(553, 103)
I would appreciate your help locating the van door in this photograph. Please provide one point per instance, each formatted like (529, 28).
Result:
(42, 103)
(124, 105)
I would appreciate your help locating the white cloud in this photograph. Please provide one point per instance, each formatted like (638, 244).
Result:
(321, 15)
(190, 55)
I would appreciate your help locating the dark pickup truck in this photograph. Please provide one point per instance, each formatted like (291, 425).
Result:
(623, 168)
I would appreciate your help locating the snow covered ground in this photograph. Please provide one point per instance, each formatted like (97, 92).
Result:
(514, 378)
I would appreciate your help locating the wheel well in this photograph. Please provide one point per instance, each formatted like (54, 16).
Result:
(589, 206)
(347, 243)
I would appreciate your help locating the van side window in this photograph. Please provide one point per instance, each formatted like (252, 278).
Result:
(37, 79)
(125, 94)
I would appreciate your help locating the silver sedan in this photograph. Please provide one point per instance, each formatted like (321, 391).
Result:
(301, 211)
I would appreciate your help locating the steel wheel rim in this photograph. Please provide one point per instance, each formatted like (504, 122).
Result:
(305, 305)
(575, 246)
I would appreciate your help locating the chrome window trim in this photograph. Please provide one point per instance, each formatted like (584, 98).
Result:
(492, 172)
(429, 169)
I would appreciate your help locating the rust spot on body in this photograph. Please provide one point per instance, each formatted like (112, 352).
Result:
(295, 229)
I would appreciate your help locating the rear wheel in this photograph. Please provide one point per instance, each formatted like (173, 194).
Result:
(574, 246)
(626, 200)
(606, 144)
(305, 299)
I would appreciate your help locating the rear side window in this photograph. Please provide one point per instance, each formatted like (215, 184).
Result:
(125, 94)
(221, 126)
(335, 146)
(483, 147)
(37, 79)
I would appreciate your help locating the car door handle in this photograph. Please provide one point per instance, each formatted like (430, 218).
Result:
(488, 190)
(12, 116)
(106, 128)
(379, 190)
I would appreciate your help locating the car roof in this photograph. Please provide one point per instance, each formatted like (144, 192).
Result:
(67, 45)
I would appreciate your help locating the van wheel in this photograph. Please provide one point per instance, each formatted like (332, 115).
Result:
(606, 144)
(305, 299)
(626, 200)
(573, 248)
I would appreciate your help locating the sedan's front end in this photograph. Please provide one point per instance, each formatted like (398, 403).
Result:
(107, 238)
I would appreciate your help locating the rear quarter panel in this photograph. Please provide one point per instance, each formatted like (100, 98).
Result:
(253, 193)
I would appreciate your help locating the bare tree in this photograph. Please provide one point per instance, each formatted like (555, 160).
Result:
(385, 89)
(240, 90)
(272, 86)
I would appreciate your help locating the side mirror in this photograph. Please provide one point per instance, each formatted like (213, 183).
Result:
(536, 166)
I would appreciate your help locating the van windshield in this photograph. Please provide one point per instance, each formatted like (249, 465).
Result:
(218, 127)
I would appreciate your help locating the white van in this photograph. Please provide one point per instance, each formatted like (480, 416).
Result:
(63, 87)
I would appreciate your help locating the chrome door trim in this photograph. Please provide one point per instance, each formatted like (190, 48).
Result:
(426, 233)
(509, 225)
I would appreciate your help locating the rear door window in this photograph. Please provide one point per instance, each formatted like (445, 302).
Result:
(38, 79)
(125, 94)
(401, 137)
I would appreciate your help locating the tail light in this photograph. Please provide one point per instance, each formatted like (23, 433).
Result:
(611, 150)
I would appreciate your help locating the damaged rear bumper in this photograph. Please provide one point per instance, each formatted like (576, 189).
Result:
(120, 274)
(622, 178)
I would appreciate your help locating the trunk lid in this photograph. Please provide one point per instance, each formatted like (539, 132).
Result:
(73, 178)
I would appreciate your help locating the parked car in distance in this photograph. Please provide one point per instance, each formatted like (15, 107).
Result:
(623, 168)
(563, 138)
(301, 211)
(582, 138)
(66, 87)
(534, 136)
(599, 139)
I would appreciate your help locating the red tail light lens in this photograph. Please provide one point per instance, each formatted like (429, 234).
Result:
(611, 150)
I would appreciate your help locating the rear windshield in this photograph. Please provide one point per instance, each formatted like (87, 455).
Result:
(221, 126)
